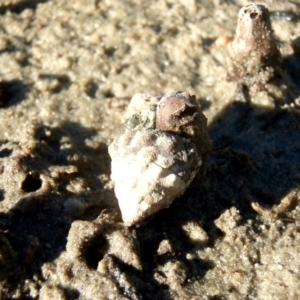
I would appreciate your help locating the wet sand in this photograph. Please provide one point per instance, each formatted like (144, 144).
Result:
(68, 71)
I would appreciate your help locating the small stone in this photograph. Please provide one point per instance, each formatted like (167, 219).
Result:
(195, 232)
(164, 247)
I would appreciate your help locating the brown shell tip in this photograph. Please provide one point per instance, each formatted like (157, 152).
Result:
(173, 108)
(255, 57)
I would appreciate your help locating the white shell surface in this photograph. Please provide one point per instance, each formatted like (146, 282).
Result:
(150, 168)
(139, 103)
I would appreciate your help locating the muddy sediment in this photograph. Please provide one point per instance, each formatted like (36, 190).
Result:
(68, 71)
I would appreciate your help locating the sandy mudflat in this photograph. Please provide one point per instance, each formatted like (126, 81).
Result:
(68, 71)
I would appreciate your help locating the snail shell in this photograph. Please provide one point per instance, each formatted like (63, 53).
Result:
(150, 169)
(254, 53)
(171, 110)
(179, 112)
(156, 155)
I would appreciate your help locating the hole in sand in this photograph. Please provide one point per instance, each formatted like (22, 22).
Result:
(5, 152)
(31, 183)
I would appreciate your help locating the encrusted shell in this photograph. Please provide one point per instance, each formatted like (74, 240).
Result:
(150, 169)
(170, 110)
(158, 153)
(255, 56)
(179, 112)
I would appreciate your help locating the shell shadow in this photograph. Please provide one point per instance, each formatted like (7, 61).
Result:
(255, 151)
(255, 155)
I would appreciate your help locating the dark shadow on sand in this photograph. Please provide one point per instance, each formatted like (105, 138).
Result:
(20, 7)
(12, 92)
(255, 156)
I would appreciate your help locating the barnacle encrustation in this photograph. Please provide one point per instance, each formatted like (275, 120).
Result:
(255, 58)
(160, 149)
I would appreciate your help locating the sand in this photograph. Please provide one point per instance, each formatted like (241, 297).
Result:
(68, 71)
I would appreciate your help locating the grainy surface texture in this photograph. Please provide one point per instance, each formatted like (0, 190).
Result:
(68, 70)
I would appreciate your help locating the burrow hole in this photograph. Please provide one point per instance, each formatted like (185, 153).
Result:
(31, 183)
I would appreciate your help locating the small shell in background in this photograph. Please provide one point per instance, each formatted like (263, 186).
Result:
(158, 153)
(255, 57)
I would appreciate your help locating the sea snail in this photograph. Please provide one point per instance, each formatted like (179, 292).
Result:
(161, 148)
